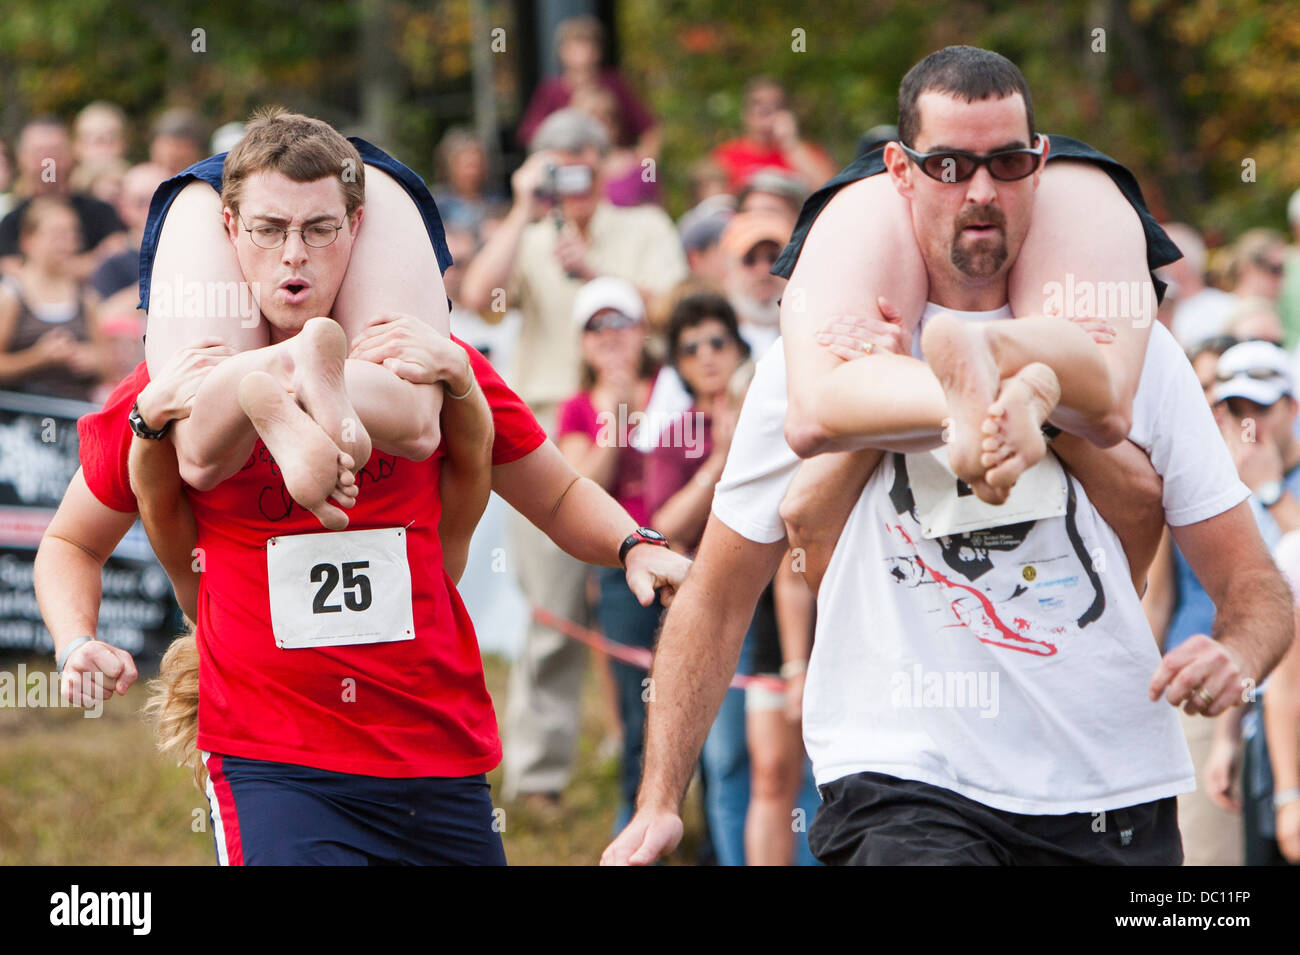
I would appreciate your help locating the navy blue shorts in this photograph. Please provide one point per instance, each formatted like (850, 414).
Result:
(209, 170)
(265, 813)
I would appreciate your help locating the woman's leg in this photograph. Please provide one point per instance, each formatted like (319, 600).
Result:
(195, 253)
(393, 271)
(776, 770)
(1086, 238)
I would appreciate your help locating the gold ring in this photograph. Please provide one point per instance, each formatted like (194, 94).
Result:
(1206, 698)
(866, 348)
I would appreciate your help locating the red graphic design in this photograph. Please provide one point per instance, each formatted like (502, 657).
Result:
(982, 619)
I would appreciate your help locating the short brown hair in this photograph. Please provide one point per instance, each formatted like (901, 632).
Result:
(298, 147)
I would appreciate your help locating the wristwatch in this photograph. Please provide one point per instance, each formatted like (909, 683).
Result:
(1270, 492)
(142, 430)
(642, 535)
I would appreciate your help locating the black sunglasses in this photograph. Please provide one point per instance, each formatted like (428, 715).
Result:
(953, 165)
(717, 343)
(613, 321)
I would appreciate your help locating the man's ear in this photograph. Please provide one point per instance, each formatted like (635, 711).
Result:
(1042, 164)
(231, 221)
(899, 168)
(355, 223)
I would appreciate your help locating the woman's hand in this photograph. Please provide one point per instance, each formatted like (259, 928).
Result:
(413, 350)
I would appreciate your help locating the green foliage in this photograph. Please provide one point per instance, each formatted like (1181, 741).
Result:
(1183, 92)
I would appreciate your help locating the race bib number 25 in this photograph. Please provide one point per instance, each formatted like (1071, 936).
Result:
(341, 588)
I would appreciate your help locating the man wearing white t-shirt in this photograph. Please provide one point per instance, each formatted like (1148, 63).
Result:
(980, 688)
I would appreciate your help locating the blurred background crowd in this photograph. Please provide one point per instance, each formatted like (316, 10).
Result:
(616, 181)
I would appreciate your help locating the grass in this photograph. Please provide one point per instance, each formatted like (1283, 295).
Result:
(77, 791)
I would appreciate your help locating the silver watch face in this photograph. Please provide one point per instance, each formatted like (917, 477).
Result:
(1269, 493)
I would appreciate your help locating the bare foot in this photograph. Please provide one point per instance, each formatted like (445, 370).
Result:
(959, 356)
(315, 471)
(319, 353)
(1013, 441)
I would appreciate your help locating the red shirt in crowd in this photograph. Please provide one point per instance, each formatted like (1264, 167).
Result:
(398, 709)
(741, 158)
(578, 416)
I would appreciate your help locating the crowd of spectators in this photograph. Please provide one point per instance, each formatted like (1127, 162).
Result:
(632, 337)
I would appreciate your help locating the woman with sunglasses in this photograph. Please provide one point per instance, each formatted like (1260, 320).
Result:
(594, 435)
(705, 348)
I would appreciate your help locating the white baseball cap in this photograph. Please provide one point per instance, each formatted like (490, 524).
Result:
(1257, 371)
(607, 293)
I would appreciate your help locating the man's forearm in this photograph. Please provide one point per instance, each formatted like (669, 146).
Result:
(1253, 608)
(66, 575)
(1250, 621)
(574, 512)
(590, 525)
(696, 656)
(493, 264)
(68, 588)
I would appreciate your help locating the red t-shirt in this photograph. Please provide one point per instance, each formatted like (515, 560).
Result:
(579, 416)
(741, 158)
(404, 708)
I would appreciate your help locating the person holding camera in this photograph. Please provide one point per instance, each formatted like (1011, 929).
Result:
(559, 234)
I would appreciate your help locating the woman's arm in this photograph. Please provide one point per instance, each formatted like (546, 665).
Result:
(419, 354)
(466, 481)
(681, 518)
(49, 349)
(167, 517)
(1282, 729)
(595, 460)
(1161, 596)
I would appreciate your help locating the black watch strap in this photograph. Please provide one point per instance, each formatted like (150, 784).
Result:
(139, 428)
(642, 535)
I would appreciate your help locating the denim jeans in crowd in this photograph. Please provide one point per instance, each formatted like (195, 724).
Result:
(625, 621)
(725, 762)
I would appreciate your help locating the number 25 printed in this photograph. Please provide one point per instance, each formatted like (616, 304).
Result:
(356, 587)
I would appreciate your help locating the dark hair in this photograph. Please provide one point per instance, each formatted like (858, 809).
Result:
(1215, 346)
(964, 71)
(695, 310)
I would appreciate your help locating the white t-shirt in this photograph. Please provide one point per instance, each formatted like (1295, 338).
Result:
(917, 638)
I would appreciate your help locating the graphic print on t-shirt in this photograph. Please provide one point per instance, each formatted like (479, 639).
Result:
(1010, 586)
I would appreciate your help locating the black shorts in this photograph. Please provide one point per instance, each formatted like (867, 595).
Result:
(875, 819)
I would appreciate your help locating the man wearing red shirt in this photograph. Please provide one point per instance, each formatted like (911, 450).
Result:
(343, 708)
